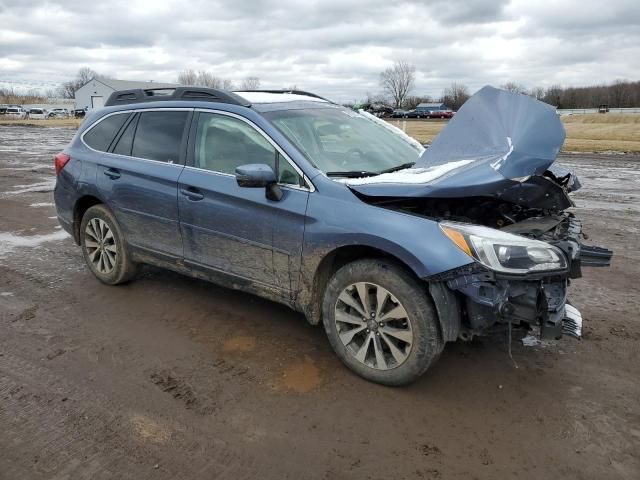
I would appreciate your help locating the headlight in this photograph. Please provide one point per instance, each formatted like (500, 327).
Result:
(504, 252)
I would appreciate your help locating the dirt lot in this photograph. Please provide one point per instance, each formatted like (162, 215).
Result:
(170, 377)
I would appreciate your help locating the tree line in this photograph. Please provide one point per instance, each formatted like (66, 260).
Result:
(398, 82)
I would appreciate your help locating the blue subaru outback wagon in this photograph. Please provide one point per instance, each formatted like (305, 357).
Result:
(395, 249)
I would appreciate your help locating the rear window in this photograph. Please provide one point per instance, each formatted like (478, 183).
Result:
(159, 135)
(101, 135)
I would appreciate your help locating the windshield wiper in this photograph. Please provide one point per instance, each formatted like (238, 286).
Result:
(352, 174)
(398, 167)
(365, 173)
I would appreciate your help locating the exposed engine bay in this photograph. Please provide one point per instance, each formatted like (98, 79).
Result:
(490, 301)
(492, 166)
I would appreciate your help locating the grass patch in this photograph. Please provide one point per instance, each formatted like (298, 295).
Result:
(585, 133)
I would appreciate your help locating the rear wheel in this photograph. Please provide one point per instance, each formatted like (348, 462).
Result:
(104, 247)
(380, 322)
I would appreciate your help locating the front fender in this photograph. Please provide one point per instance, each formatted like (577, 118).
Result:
(339, 220)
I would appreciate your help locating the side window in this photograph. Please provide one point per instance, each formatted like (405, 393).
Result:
(286, 173)
(224, 143)
(159, 135)
(101, 135)
(125, 142)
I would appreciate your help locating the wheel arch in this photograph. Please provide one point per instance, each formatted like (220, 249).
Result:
(333, 260)
(83, 204)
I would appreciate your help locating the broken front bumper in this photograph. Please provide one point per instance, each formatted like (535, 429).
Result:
(489, 302)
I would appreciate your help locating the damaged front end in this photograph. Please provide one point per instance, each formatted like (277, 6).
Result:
(489, 181)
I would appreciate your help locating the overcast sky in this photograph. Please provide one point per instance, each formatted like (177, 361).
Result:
(336, 48)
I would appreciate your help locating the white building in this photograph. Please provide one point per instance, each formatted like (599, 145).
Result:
(95, 92)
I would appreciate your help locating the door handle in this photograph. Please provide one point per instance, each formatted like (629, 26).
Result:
(192, 194)
(112, 173)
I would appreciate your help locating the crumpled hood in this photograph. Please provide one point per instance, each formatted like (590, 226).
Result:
(494, 143)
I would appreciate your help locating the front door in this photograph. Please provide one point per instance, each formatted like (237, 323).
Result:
(232, 229)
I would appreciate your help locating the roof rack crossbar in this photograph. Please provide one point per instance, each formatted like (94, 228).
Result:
(166, 94)
(286, 90)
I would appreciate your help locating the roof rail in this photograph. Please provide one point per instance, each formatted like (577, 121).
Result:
(285, 90)
(202, 94)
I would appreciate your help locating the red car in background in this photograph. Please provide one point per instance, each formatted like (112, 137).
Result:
(440, 114)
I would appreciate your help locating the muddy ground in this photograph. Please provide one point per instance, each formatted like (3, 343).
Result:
(170, 377)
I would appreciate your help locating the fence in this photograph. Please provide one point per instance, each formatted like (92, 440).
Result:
(582, 111)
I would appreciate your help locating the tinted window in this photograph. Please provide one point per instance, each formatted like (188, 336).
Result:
(224, 143)
(123, 147)
(101, 135)
(159, 135)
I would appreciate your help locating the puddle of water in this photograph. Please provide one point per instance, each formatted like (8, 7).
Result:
(302, 377)
(9, 241)
(240, 343)
(46, 186)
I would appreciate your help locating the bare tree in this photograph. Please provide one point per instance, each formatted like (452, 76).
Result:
(204, 78)
(455, 95)
(250, 83)
(398, 80)
(537, 93)
(553, 96)
(514, 87)
(188, 77)
(68, 89)
(618, 93)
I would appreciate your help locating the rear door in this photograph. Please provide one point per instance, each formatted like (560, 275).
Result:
(233, 229)
(139, 178)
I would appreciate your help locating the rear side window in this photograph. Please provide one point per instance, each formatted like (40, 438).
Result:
(101, 135)
(159, 135)
(125, 143)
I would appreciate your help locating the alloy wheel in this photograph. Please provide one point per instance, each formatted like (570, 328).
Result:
(373, 325)
(101, 245)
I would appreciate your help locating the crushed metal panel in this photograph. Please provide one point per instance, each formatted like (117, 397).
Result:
(497, 142)
(514, 134)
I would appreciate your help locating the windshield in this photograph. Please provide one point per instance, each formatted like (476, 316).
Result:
(341, 142)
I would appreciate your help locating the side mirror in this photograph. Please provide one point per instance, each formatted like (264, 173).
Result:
(255, 175)
(259, 175)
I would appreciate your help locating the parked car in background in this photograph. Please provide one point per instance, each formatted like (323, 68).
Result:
(17, 113)
(37, 114)
(379, 110)
(59, 113)
(337, 214)
(440, 114)
(3, 109)
(413, 114)
(80, 112)
(399, 113)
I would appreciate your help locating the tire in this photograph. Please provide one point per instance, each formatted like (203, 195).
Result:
(104, 247)
(380, 362)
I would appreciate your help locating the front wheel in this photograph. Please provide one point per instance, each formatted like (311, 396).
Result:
(104, 247)
(381, 322)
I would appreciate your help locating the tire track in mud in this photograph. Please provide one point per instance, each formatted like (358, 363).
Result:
(64, 430)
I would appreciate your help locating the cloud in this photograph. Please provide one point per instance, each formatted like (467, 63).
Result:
(333, 47)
